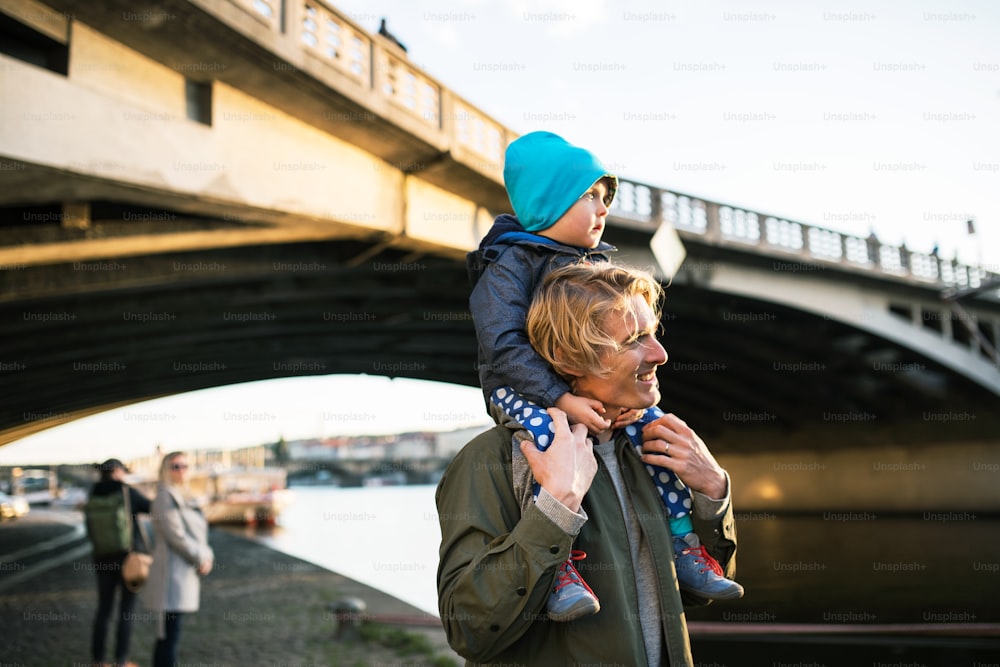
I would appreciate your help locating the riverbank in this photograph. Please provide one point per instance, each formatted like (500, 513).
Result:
(830, 589)
(258, 607)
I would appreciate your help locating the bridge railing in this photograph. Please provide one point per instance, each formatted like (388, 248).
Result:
(645, 205)
(328, 35)
(479, 141)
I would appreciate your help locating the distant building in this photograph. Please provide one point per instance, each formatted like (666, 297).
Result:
(419, 445)
(451, 442)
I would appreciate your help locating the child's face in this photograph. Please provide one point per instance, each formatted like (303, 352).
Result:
(583, 224)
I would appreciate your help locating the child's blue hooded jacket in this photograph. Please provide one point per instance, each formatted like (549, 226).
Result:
(504, 272)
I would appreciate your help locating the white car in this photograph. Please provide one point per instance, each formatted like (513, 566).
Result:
(12, 506)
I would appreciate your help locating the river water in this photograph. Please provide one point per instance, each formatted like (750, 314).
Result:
(385, 537)
(834, 567)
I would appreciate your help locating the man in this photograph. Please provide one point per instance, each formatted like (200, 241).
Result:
(596, 325)
(109, 553)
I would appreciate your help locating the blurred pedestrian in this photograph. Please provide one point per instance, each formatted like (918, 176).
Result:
(181, 556)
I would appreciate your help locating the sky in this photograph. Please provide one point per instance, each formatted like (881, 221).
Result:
(848, 115)
(859, 117)
(255, 413)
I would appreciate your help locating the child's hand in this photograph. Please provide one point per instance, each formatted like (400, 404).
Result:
(584, 411)
(628, 417)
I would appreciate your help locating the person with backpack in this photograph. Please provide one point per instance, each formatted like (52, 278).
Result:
(113, 528)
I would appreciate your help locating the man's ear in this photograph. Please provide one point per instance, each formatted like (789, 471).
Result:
(565, 369)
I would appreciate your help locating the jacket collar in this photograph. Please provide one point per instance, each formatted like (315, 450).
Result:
(176, 494)
(507, 231)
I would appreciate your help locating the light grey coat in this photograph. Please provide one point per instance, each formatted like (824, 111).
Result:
(180, 545)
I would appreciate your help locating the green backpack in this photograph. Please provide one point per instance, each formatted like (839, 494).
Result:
(109, 523)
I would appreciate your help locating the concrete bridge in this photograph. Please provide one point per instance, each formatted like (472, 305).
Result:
(206, 192)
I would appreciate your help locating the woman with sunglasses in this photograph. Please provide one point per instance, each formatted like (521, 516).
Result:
(180, 556)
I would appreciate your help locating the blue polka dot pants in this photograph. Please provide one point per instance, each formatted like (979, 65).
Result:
(676, 496)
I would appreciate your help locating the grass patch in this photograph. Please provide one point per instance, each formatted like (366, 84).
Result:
(405, 644)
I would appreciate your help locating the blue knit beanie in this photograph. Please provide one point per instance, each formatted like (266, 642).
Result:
(545, 175)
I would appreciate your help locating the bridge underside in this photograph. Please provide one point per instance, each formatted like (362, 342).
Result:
(85, 337)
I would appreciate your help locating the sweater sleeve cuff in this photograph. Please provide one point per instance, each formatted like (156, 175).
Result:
(711, 508)
(553, 392)
(559, 514)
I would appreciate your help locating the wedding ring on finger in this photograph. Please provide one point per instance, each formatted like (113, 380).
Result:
(666, 448)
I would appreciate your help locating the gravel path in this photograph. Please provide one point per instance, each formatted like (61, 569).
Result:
(258, 607)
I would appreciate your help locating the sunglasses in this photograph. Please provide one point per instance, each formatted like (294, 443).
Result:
(178, 466)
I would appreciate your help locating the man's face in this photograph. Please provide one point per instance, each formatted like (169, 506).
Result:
(631, 382)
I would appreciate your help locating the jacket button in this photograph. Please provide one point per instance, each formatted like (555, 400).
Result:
(521, 590)
(494, 627)
(554, 549)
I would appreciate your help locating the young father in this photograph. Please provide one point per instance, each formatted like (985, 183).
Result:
(596, 324)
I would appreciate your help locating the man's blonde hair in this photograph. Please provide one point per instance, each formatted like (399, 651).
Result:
(567, 320)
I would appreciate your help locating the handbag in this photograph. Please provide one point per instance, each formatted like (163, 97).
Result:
(135, 567)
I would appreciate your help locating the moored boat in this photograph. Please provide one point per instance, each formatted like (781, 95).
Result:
(245, 495)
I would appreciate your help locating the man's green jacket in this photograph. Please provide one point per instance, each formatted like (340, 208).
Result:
(497, 566)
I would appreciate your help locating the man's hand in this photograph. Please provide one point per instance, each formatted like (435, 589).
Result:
(567, 468)
(205, 567)
(670, 443)
(586, 411)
